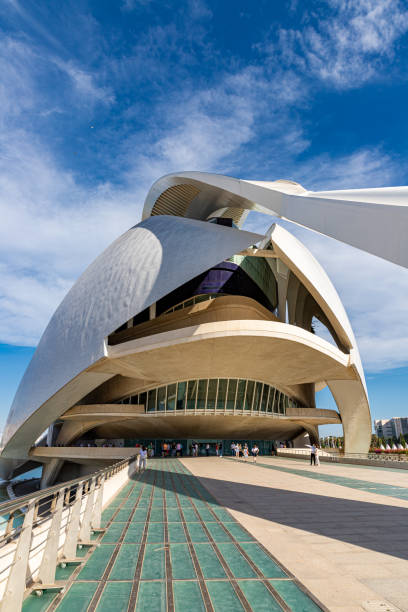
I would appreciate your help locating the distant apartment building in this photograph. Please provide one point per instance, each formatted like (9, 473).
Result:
(391, 428)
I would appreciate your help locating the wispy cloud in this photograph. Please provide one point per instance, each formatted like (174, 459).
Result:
(344, 43)
(85, 84)
(364, 167)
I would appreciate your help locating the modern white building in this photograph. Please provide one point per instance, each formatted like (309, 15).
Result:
(391, 428)
(190, 328)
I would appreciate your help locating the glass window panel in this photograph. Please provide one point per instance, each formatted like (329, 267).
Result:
(264, 398)
(181, 395)
(241, 394)
(191, 394)
(202, 394)
(222, 392)
(232, 387)
(271, 399)
(161, 398)
(249, 394)
(171, 396)
(212, 393)
(281, 400)
(258, 391)
(134, 399)
(151, 400)
(126, 400)
(143, 399)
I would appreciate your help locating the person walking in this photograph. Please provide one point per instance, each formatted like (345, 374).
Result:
(216, 449)
(255, 452)
(313, 455)
(232, 448)
(246, 452)
(142, 459)
(207, 449)
(317, 455)
(196, 449)
(237, 451)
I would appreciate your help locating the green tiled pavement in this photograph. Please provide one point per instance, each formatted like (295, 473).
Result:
(344, 481)
(169, 544)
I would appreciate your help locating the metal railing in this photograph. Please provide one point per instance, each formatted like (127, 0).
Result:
(43, 529)
(337, 457)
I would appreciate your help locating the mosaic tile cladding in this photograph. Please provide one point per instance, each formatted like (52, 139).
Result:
(169, 545)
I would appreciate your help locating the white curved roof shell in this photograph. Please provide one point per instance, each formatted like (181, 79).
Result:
(148, 262)
(374, 220)
(136, 270)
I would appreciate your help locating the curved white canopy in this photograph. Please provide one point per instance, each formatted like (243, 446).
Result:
(374, 220)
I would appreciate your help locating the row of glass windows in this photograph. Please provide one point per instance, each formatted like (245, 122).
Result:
(214, 394)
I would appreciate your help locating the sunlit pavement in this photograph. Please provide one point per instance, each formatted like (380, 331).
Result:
(340, 529)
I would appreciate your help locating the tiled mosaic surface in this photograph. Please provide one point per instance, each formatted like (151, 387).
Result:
(169, 545)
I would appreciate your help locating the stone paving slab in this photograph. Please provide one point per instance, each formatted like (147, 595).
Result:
(348, 546)
(316, 473)
(389, 476)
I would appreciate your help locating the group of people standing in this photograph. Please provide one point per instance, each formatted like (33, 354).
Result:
(173, 449)
(240, 450)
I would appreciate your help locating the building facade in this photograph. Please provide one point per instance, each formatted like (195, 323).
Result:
(391, 428)
(190, 328)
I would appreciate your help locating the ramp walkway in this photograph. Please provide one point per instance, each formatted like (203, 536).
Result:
(169, 545)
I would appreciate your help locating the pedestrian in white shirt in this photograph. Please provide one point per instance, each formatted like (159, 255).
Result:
(143, 458)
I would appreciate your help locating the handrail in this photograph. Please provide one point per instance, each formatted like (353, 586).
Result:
(335, 456)
(21, 502)
(44, 528)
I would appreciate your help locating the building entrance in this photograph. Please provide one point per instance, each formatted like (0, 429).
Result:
(168, 447)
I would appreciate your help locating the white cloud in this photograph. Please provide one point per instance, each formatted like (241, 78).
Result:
(347, 44)
(85, 84)
(362, 168)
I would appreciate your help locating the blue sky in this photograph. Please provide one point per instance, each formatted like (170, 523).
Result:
(99, 99)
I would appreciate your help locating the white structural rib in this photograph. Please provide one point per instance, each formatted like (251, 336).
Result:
(374, 220)
(350, 396)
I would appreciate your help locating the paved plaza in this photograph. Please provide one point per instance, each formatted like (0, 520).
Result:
(225, 535)
(340, 529)
(169, 545)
